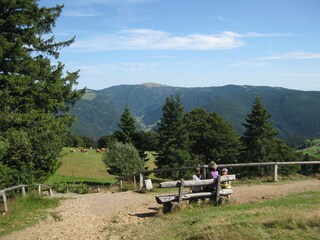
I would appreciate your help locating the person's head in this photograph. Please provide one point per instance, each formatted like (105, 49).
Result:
(224, 171)
(197, 170)
(212, 165)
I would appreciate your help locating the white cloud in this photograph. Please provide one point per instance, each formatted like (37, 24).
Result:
(293, 55)
(149, 39)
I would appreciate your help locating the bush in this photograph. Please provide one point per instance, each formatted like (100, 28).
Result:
(123, 160)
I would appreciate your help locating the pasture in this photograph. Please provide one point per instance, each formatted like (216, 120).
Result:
(314, 150)
(81, 167)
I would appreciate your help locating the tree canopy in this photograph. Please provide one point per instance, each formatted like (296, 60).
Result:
(35, 95)
(261, 143)
(211, 138)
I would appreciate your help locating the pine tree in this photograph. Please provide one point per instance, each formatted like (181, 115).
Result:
(35, 95)
(173, 140)
(127, 127)
(259, 138)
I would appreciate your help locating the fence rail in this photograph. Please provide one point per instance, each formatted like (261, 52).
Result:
(23, 190)
(274, 164)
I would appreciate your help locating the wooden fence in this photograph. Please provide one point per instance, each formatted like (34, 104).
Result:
(275, 166)
(23, 191)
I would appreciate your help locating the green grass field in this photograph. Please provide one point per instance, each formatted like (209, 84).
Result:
(314, 150)
(81, 167)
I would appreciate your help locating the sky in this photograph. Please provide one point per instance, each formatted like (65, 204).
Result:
(191, 43)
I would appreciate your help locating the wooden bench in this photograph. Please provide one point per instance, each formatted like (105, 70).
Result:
(215, 196)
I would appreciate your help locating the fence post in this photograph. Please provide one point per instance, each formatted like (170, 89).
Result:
(134, 181)
(121, 185)
(275, 172)
(140, 181)
(4, 197)
(181, 190)
(23, 191)
(39, 189)
(218, 187)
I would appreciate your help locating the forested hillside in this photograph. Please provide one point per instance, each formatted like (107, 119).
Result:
(294, 113)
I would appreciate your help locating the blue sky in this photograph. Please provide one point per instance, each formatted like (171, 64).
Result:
(192, 43)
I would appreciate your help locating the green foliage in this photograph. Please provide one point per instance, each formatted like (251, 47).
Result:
(106, 141)
(123, 159)
(211, 138)
(34, 95)
(127, 127)
(262, 145)
(310, 169)
(80, 141)
(147, 141)
(173, 140)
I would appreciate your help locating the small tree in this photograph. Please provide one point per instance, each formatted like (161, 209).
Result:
(127, 127)
(123, 159)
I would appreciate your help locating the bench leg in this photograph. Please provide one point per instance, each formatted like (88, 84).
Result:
(167, 207)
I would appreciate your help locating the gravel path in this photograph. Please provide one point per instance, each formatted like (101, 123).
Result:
(90, 216)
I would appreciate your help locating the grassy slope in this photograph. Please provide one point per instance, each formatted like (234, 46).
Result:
(81, 167)
(293, 217)
(314, 150)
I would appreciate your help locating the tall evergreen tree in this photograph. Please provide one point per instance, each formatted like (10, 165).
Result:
(173, 141)
(35, 95)
(259, 138)
(127, 127)
(211, 138)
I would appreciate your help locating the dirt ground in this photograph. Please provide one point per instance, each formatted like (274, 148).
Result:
(90, 216)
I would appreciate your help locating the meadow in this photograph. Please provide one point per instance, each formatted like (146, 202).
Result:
(78, 167)
(314, 150)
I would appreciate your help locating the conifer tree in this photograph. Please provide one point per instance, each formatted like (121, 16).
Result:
(35, 95)
(173, 141)
(259, 138)
(127, 127)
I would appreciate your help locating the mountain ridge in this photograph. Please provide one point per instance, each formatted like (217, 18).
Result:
(294, 112)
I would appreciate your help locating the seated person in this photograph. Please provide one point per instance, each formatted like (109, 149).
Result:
(227, 184)
(197, 176)
(212, 173)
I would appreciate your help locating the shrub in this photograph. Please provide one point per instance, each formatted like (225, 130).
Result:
(123, 159)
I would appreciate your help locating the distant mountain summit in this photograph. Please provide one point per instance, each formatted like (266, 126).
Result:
(152, 84)
(294, 113)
